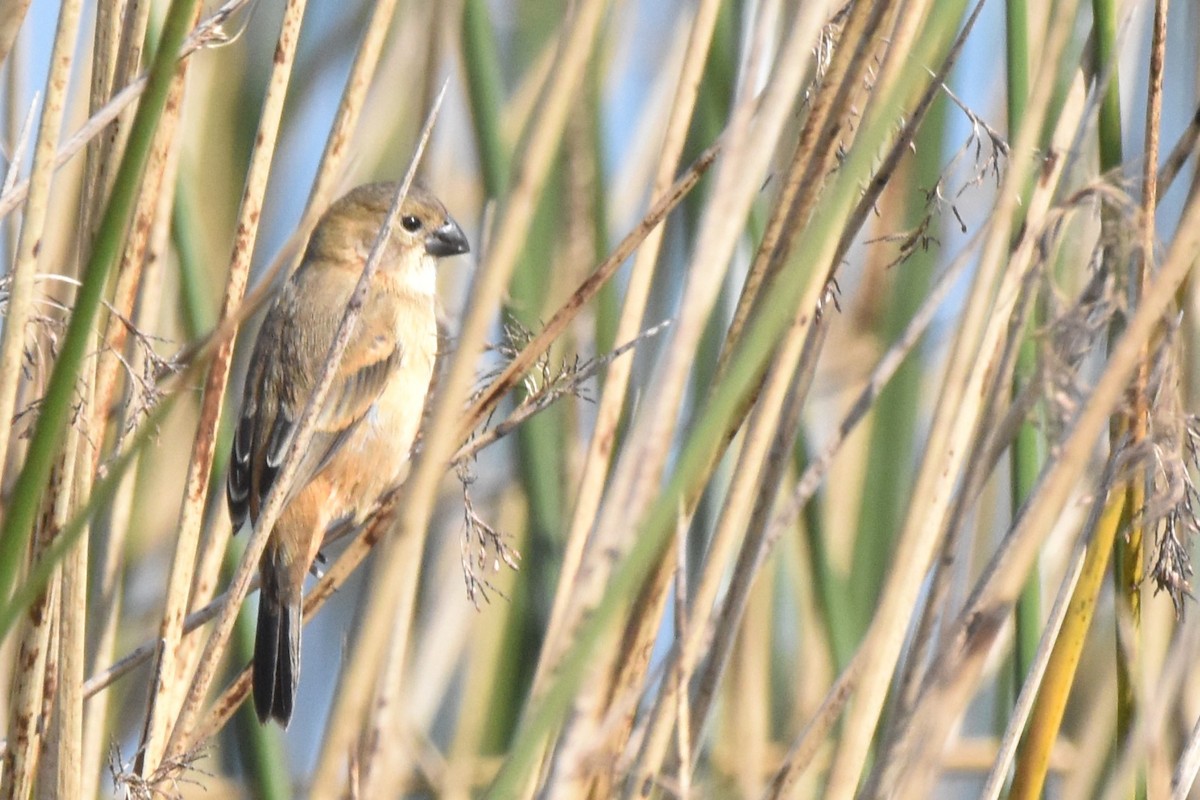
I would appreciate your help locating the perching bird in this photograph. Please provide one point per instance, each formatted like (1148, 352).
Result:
(369, 418)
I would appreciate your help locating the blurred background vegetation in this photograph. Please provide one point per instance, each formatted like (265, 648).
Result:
(816, 416)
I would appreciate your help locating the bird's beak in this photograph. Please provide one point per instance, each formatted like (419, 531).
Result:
(448, 240)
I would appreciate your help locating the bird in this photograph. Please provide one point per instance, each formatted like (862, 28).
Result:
(369, 419)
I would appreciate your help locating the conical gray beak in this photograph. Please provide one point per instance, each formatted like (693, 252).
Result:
(448, 240)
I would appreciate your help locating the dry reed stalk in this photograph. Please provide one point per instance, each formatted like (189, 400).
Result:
(738, 179)
(767, 448)
(967, 642)
(24, 735)
(628, 674)
(65, 736)
(953, 423)
(37, 648)
(167, 704)
(595, 465)
(207, 34)
(394, 594)
(828, 121)
(21, 273)
(130, 269)
(65, 741)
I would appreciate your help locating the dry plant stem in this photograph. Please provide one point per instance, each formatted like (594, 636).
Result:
(627, 675)
(21, 273)
(203, 569)
(750, 144)
(961, 659)
(169, 678)
(107, 596)
(761, 539)
(66, 740)
(616, 380)
(204, 35)
(980, 384)
(813, 158)
(1129, 561)
(24, 722)
(106, 606)
(774, 417)
(1151, 726)
(130, 270)
(11, 16)
(953, 423)
(366, 59)
(987, 445)
(394, 595)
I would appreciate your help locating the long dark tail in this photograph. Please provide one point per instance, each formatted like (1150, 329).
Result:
(276, 647)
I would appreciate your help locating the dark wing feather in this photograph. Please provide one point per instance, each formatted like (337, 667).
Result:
(286, 360)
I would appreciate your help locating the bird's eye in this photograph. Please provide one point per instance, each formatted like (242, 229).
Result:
(410, 223)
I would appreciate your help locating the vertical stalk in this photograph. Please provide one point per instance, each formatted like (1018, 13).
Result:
(1028, 447)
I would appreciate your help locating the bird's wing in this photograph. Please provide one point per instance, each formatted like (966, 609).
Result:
(286, 363)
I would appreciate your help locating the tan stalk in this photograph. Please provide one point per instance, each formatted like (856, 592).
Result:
(815, 154)
(618, 689)
(366, 60)
(120, 31)
(746, 718)
(129, 270)
(12, 15)
(394, 593)
(616, 381)
(107, 594)
(206, 34)
(166, 693)
(738, 180)
(954, 421)
(82, 454)
(21, 273)
(1129, 567)
(960, 660)
(66, 741)
(25, 729)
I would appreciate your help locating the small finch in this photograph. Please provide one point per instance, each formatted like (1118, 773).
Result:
(367, 423)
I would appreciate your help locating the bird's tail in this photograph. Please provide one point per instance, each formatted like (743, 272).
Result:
(276, 644)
